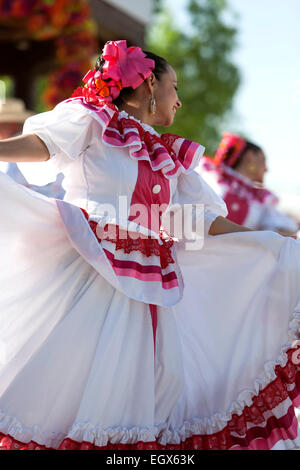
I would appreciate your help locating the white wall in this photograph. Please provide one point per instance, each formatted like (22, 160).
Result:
(137, 9)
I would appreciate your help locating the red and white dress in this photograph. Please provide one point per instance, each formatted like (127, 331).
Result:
(110, 341)
(248, 203)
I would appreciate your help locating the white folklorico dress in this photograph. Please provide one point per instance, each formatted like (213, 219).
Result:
(115, 342)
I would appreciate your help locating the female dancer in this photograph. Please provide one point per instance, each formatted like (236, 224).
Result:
(237, 173)
(102, 346)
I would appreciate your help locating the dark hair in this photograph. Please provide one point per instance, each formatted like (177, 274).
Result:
(161, 66)
(249, 146)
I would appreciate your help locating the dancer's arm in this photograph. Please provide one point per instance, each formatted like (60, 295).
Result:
(24, 148)
(221, 225)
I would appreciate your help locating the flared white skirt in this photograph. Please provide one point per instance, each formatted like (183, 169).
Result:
(83, 367)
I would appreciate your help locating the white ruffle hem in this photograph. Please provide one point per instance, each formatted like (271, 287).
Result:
(77, 355)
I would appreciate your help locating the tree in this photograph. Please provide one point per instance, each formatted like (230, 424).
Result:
(207, 78)
(157, 5)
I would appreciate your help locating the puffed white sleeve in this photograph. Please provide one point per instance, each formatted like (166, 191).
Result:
(66, 132)
(198, 206)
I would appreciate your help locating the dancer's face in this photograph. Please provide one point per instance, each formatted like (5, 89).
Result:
(255, 166)
(167, 101)
(261, 166)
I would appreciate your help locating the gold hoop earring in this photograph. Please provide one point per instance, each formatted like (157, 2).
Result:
(153, 106)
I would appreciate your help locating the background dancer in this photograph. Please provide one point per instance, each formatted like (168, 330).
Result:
(236, 173)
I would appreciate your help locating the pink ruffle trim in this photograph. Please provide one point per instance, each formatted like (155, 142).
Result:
(169, 153)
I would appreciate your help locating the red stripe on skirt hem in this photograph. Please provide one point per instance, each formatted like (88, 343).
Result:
(237, 432)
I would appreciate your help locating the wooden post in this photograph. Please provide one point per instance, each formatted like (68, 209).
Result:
(24, 60)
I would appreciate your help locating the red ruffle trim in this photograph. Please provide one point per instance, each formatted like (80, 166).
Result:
(134, 241)
(240, 430)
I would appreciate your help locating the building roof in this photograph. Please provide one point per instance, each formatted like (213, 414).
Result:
(137, 9)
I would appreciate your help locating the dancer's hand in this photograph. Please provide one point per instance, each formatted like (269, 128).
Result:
(221, 225)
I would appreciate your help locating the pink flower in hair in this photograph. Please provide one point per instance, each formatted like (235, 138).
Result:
(123, 67)
(128, 65)
(230, 149)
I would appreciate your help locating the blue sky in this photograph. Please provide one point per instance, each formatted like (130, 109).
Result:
(267, 105)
